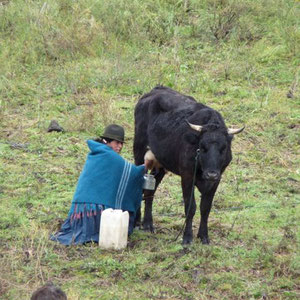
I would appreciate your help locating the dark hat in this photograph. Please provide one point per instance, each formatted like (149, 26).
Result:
(114, 132)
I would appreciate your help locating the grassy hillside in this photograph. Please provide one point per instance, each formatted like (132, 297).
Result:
(85, 64)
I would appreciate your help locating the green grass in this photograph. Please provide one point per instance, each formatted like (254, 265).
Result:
(85, 64)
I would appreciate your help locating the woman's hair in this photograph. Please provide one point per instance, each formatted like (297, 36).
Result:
(102, 140)
(49, 292)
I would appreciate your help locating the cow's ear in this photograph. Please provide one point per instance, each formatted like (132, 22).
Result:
(191, 138)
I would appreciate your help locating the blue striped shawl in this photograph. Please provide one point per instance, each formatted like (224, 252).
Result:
(110, 180)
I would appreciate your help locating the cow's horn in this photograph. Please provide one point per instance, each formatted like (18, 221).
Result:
(196, 127)
(235, 131)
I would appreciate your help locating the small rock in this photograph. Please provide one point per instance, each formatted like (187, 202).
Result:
(294, 126)
(54, 126)
(19, 146)
(290, 94)
(220, 93)
(28, 253)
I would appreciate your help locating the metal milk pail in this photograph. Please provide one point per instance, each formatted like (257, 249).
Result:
(149, 182)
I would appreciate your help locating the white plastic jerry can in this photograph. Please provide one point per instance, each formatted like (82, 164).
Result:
(113, 232)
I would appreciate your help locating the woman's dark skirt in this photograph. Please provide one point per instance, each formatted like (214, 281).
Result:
(83, 224)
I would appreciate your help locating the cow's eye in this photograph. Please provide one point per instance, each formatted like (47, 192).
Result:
(191, 139)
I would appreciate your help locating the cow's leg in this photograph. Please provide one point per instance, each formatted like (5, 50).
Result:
(189, 208)
(137, 220)
(139, 149)
(205, 206)
(148, 196)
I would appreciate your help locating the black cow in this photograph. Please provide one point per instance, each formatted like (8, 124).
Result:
(174, 126)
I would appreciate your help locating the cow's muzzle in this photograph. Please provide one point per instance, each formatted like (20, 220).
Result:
(211, 175)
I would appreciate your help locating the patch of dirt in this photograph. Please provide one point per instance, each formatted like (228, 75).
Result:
(4, 286)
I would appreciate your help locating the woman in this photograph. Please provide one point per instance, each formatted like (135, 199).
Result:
(106, 181)
(113, 137)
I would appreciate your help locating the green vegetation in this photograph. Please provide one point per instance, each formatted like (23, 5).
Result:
(85, 63)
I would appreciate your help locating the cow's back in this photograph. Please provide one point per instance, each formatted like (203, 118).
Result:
(159, 100)
(141, 119)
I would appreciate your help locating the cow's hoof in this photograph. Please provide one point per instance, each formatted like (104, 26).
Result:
(187, 241)
(205, 241)
(148, 227)
(137, 225)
